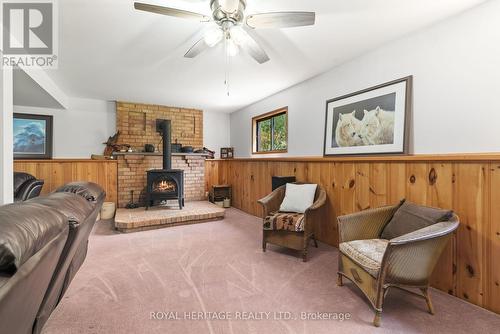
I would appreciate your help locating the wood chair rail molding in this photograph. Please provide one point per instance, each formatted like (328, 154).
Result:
(57, 172)
(467, 183)
(386, 158)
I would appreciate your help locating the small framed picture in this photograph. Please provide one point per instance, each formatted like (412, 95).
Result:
(32, 136)
(227, 153)
(371, 121)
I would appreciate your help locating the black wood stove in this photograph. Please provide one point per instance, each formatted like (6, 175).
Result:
(167, 183)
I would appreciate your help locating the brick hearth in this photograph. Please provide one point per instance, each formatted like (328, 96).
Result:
(132, 175)
(193, 213)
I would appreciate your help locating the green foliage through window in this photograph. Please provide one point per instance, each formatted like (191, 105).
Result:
(271, 133)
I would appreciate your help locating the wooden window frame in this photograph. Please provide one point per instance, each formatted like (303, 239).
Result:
(265, 117)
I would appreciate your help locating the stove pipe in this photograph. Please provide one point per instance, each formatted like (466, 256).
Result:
(163, 126)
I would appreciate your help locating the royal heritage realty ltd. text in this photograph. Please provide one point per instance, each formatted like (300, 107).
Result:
(243, 315)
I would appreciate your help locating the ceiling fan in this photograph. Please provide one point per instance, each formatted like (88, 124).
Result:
(232, 26)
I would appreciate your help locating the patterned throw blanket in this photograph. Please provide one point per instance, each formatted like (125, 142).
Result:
(288, 221)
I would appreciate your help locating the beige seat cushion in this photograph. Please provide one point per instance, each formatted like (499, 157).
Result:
(366, 253)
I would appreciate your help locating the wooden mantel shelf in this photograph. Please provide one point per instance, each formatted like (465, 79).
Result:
(180, 154)
(389, 158)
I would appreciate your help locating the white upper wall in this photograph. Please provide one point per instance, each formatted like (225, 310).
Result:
(456, 70)
(81, 129)
(455, 67)
(131, 55)
(216, 131)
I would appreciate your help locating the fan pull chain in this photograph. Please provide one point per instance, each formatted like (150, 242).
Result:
(226, 65)
(228, 73)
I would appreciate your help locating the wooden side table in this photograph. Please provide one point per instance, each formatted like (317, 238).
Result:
(219, 193)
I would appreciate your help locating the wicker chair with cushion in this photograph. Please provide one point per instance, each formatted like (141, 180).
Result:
(289, 229)
(375, 256)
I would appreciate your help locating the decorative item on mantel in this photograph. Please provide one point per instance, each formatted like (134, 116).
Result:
(111, 147)
(176, 147)
(187, 149)
(111, 144)
(149, 148)
(227, 153)
(210, 154)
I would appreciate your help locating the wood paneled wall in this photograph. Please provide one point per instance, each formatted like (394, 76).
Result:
(58, 172)
(470, 185)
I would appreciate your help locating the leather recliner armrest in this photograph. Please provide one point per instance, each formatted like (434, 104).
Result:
(92, 192)
(30, 189)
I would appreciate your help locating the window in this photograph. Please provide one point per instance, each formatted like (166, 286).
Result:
(270, 132)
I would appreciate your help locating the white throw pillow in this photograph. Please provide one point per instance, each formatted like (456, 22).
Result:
(298, 197)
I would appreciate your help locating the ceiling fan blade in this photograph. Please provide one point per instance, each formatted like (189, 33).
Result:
(252, 47)
(171, 12)
(197, 48)
(281, 20)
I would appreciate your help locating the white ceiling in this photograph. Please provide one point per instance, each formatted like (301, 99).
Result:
(110, 51)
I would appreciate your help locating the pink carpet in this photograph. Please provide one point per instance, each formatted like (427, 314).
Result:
(220, 267)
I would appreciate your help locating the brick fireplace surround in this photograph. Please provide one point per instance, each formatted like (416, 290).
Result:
(137, 126)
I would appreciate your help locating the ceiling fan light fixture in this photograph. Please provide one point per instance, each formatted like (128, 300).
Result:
(229, 22)
(213, 36)
(238, 35)
(229, 6)
(232, 47)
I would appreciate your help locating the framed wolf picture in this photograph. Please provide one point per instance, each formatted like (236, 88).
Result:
(371, 121)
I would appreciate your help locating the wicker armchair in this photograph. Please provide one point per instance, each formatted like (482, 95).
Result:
(405, 261)
(298, 240)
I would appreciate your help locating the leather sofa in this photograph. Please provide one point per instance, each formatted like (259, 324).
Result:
(43, 243)
(26, 186)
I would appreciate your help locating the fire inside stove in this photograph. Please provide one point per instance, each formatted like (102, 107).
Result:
(164, 186)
